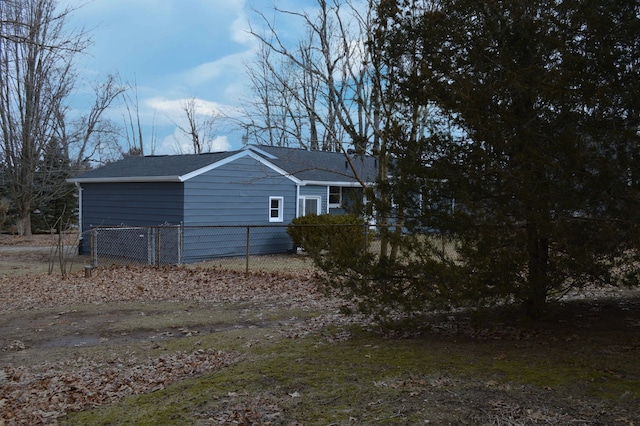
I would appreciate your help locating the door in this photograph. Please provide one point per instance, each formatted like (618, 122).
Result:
(309, 205)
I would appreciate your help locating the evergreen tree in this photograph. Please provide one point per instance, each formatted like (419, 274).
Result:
(513, 128)
(532, 129)
(56, 203)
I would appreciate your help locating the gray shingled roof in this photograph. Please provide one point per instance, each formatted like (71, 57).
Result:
(322, 166)
(162, 167)
(304, 165)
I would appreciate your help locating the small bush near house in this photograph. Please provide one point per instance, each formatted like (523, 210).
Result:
(339, 236)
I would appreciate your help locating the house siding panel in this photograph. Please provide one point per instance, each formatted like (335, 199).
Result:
(130, 204)
(235, 194)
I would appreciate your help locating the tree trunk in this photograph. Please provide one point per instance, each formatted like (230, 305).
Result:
(23, 225)
(536, 292)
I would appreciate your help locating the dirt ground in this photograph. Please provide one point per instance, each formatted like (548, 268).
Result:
(56, 333)
(68, 345)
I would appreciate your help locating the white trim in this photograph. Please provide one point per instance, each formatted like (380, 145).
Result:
(333, 183)
(304, 198)
(233, 158)
(329, 203)
(211, 167)
(127, 179)
(297, 200)
(79, 210)
(259, 151)
(215, 165)
(276, 168)
(280, 217)
(328, 194)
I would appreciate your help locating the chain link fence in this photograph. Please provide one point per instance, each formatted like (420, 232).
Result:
(159, 245)
(235, 247)
(242, 247)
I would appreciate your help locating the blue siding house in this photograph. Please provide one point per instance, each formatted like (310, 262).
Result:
(257, 186)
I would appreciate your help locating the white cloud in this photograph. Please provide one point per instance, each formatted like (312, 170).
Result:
(240, 30)
(172, 111)
(175, 107)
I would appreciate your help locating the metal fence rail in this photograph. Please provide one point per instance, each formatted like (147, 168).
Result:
(239, 247)
(163, 245)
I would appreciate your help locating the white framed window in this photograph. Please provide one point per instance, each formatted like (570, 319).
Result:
(276, 209)
(309, 205)
(335, 196)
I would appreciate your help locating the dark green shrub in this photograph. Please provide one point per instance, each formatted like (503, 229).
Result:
(329, 235)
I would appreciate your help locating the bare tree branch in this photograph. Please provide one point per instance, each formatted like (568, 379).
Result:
(199, 128)
(36, 75)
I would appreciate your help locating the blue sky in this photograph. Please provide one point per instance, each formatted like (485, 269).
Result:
(175, 50)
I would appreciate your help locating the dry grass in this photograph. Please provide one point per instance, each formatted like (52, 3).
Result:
(37, 254)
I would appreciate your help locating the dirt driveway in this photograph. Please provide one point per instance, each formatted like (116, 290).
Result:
(138, 303)
(42, 312)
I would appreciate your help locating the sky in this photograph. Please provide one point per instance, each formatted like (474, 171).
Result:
(173, 51)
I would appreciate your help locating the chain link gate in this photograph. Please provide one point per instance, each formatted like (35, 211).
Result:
(160, 245)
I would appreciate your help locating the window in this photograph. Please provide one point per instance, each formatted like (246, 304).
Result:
(276, 209)
(309, 205)
(335, 196)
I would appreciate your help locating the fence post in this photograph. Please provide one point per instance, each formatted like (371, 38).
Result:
(93, 243)
(180, 242)
(366, 237)
(150, 248)
(158, 249)
(246, 268)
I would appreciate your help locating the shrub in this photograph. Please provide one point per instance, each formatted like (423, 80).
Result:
(333, 235)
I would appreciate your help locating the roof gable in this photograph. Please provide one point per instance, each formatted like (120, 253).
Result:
(322, 166)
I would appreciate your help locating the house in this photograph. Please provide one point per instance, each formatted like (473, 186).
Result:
(257, 185)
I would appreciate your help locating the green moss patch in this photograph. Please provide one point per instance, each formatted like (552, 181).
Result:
(368, 379)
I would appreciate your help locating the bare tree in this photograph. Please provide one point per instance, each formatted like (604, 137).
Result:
(335, 87)
(341, 91)
(310, 87)
(93, 137)
(36, 75)
(199, 126)
(133, 126)
(272, 115)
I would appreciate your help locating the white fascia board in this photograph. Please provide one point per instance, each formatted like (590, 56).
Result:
(333, 183)
(126, 179)
(232, 158)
